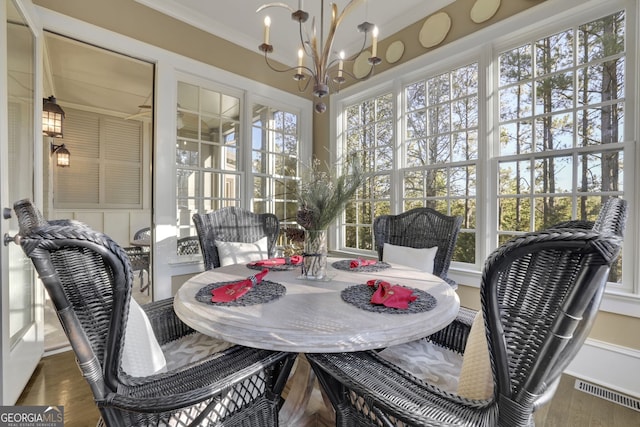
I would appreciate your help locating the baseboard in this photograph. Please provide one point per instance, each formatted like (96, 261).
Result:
(609, 366)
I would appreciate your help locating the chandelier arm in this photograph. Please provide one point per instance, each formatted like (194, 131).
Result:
(346, 10)
(285, 70)
(313, 46)
(306, 85)
(364, 45)
(305, 45)
(353, 76)
(332, 32)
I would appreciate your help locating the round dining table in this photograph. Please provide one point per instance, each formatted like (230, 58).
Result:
(311, 316)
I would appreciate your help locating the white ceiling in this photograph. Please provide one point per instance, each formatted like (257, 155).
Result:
(83, 75)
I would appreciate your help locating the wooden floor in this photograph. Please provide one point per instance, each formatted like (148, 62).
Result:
(57, 381)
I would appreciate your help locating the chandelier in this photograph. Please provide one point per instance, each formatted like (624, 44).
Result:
(322, 71)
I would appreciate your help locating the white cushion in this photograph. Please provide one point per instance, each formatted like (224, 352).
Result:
(422, 259)
(191, 348)
(476, 378)
(468, 376)
(240, 253)
(141, 353)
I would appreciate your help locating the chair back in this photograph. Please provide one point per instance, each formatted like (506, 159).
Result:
(189, 245)
(540, 293)
(143, 233)
(89, 280)
(420, 228)
(233, 224)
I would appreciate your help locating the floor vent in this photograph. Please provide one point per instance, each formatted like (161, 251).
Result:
(611, 396)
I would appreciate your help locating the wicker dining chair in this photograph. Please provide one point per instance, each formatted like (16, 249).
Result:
(140, 257)
(420, 228)
(140, 260)
(233, 224)
(142, 234)
(540, 293)
(143, 365)
(189, 245)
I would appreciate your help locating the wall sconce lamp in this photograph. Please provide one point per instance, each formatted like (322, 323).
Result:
(63, 157)
(52, 120)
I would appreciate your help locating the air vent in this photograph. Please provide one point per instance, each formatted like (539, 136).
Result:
(611, 396)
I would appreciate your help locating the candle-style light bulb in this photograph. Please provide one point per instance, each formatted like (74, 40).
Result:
(341, 63)
(300, 59)
(267, 25)
(374, 47)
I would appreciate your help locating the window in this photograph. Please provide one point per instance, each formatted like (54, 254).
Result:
(544, 143)
(207, 158)
(209, 172)
(106, 162)
(440, 149)
(561, 116)
(369, 132)
(275, 162)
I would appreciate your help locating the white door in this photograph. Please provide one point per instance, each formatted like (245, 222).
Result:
(21, 308)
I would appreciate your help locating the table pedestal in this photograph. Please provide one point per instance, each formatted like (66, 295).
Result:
(300, 388)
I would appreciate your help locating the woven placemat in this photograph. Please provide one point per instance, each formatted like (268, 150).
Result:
(345, 264)
(263, 292)
(360, 296)
(281, 267)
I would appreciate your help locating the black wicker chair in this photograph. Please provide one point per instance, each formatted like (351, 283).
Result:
(233, 224)
(420, 228)
(89, 279)
(140, 257)
(143, 234)
(188, 245)
(140, 260)
(540, 294)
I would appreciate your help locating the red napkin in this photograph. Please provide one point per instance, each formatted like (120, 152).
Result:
(389, 295)
(233, 291)
(361, 262)
(293, 260)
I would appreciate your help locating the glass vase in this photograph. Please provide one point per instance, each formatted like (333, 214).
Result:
(315, 255)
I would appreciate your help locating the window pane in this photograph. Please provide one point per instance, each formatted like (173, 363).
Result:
(554, 53)
(551, 210)
(516, 138)
(554, 132)
(601, 125)
(553, 175)
(601, 38)
(514, 214)
(514, 178)
(600, 172)
(515, 65)
(516, 101)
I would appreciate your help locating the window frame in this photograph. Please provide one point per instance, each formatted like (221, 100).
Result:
(485, 46)
(269, 97)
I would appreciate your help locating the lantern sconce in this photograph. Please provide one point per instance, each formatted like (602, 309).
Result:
(52, 121)
(63, 156)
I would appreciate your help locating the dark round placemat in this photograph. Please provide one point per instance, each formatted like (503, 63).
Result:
(261, 293)
(345, 264)
(281, 267)
(360, 296)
